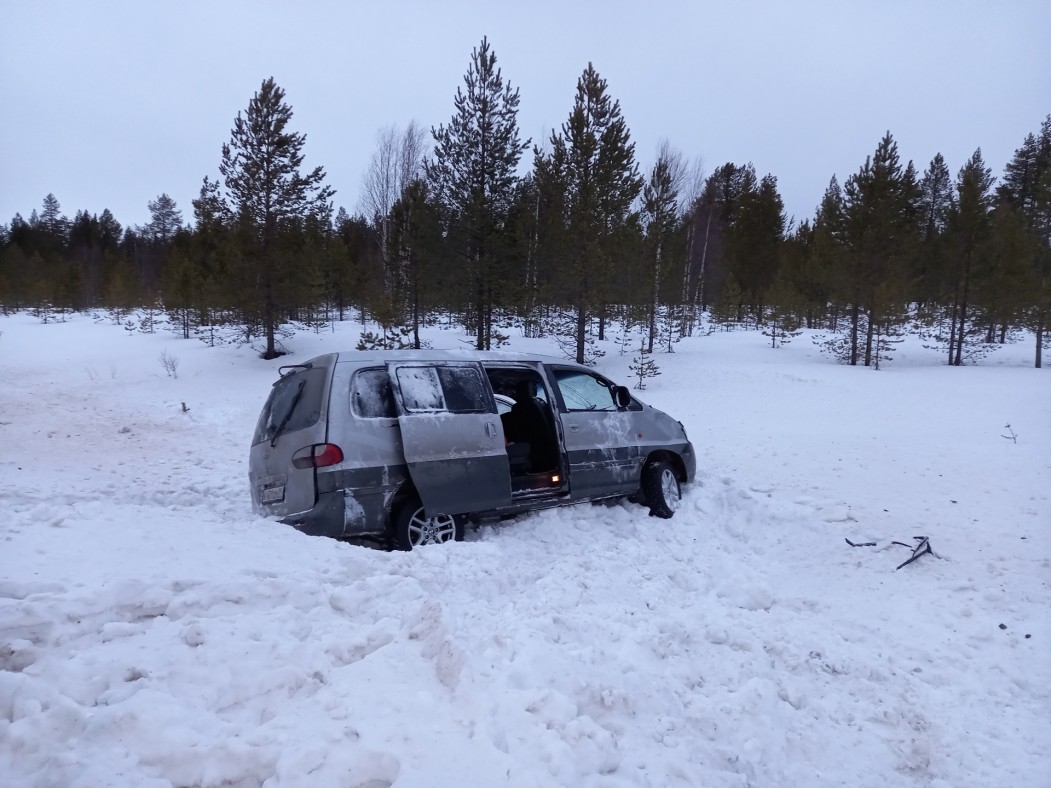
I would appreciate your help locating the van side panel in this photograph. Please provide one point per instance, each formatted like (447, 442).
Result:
(363, 424)
(603, 453)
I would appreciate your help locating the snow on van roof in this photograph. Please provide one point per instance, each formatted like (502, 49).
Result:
(446, 354)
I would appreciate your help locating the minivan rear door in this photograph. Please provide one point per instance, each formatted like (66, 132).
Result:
(292, 418)
(452, 436)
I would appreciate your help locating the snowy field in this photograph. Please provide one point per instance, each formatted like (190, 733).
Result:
(154, 632)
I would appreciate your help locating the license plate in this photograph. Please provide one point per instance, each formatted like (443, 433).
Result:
(272, 494)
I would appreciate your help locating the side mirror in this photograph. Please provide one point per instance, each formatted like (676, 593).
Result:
(621, 396)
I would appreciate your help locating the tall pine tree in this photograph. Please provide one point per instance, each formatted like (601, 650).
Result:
(266, 193)
(1026, 192)
(591, 163)
(967, 230)
(473, 177)
(880, 209)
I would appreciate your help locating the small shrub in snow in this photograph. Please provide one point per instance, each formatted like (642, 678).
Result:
(170, 364)
(644, 366)
(393, 338)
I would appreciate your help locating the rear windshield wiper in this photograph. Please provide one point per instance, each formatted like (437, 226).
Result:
(288, 413)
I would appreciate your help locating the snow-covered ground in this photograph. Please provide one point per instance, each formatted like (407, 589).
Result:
(154, 632)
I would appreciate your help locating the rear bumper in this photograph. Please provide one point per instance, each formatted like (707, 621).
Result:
(343, 513)
(351, 502)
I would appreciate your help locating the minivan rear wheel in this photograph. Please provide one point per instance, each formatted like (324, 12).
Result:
(661, 488)
(413, 528)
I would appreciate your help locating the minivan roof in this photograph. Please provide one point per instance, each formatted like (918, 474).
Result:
(464, 354)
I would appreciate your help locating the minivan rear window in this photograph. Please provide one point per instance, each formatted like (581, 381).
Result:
(294, 404)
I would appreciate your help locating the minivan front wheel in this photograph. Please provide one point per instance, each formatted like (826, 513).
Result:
(413, 528)
(661, 488)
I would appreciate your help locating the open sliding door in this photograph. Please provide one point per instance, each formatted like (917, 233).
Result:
(452, 436)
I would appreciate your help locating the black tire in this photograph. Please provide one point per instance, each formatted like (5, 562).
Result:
(660, 485)
(412, 528)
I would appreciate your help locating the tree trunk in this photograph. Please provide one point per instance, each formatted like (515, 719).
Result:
(654, 298)
(963, 310)
(269, 313)
(854, 316)
(702, 274)
(868, 338)
(416, 313)
(479, 312)
(581, 329)
(952, 327)
(1040, 340)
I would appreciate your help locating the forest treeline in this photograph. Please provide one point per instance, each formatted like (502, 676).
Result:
(456, 226)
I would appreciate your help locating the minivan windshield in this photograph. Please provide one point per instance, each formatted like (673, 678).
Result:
(582, 391)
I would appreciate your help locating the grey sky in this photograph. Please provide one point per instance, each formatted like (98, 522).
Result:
(107, 104)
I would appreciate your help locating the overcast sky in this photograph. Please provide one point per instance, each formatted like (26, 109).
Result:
(108, 104)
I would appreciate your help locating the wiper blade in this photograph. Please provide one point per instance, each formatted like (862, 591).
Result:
(288, 413)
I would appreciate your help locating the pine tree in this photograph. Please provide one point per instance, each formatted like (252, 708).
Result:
(1026, 190)
(591, 170)
(414, 239)
(119, 294)
(644, 366)
(828, 252)
(660, 216)
(165, 219)
(52, 222)
(801, 273)
(715, 213)
(967, 232)
(728, 311)
(181, 289)
(473, 176)
(781, 314)
(755, 240)
(267, 193)
(881, 209)
(936, 194)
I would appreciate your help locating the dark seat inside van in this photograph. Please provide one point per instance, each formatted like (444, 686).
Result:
(529, 427)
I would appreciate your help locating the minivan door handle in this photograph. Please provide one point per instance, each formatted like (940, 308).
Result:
(574, 428)
(490, 429)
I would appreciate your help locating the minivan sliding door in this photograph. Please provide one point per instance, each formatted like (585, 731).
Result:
(452, 436)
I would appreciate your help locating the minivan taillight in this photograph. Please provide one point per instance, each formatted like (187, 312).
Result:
(320, 455)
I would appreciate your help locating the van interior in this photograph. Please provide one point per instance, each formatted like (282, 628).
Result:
(530, 431)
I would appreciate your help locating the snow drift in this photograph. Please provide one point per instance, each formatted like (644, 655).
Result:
(153, 632)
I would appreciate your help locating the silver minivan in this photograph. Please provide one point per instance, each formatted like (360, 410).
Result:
(409, 445)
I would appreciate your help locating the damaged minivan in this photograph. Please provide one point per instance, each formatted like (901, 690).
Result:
(410, 445)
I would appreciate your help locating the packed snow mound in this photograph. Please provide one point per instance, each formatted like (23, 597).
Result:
(154, 632)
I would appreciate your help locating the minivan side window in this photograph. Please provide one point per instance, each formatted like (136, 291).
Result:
(582, 391)
(371, 396)
(420, 389)
(443, 388)
(465, 390)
